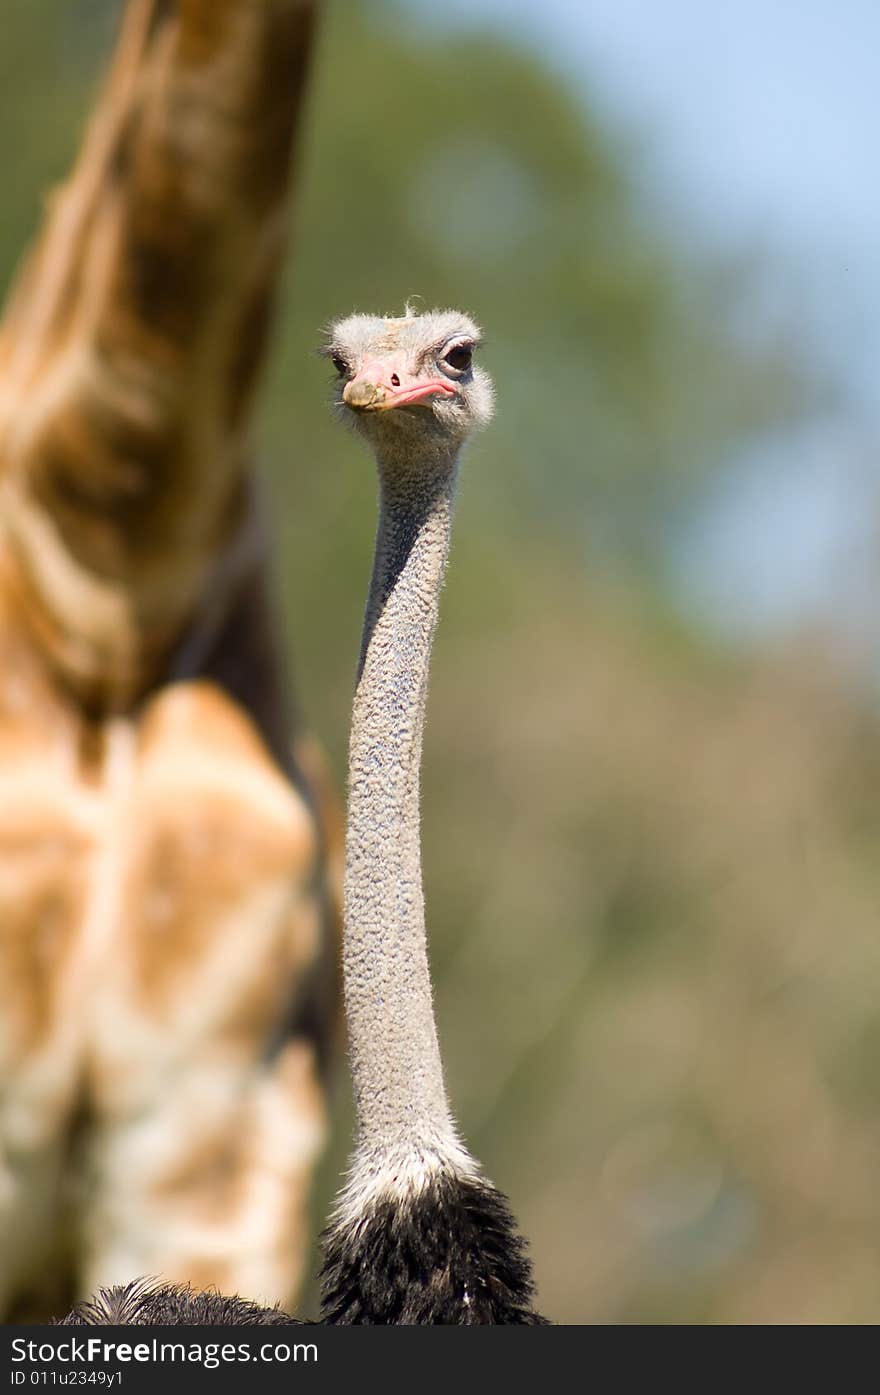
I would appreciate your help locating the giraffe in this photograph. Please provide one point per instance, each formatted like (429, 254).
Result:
(168, 836)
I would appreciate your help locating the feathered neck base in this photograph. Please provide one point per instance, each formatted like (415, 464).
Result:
(448, 1252)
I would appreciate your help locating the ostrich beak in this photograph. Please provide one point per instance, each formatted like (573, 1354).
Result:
(380, 385)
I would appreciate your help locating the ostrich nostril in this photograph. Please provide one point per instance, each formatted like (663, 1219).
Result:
(395, 381)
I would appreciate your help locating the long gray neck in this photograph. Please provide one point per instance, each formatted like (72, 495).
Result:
(395, 1059)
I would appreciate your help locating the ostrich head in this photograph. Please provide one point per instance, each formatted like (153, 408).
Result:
(410, 382)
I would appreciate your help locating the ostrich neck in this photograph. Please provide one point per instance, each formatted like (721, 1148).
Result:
(396, 1067)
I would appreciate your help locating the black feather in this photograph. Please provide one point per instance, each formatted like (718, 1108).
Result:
(450, 1254)
(148, 1304)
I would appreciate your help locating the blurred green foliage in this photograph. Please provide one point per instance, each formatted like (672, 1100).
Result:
(651, 874)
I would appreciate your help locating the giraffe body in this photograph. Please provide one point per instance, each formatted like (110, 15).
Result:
(164, 872)
(161, 913)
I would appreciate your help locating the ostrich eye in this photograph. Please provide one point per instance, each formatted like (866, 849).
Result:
(340, 365)
(460, 357)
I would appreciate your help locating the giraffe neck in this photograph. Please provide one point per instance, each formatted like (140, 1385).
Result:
(133, 336)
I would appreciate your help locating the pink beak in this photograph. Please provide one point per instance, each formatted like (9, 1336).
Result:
(381, 384)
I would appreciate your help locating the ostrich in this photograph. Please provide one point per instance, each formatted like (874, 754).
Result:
(418, 1234)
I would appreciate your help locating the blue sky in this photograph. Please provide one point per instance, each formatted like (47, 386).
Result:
(759, 125)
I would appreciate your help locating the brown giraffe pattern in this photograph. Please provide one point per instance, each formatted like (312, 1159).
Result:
(168, 841)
